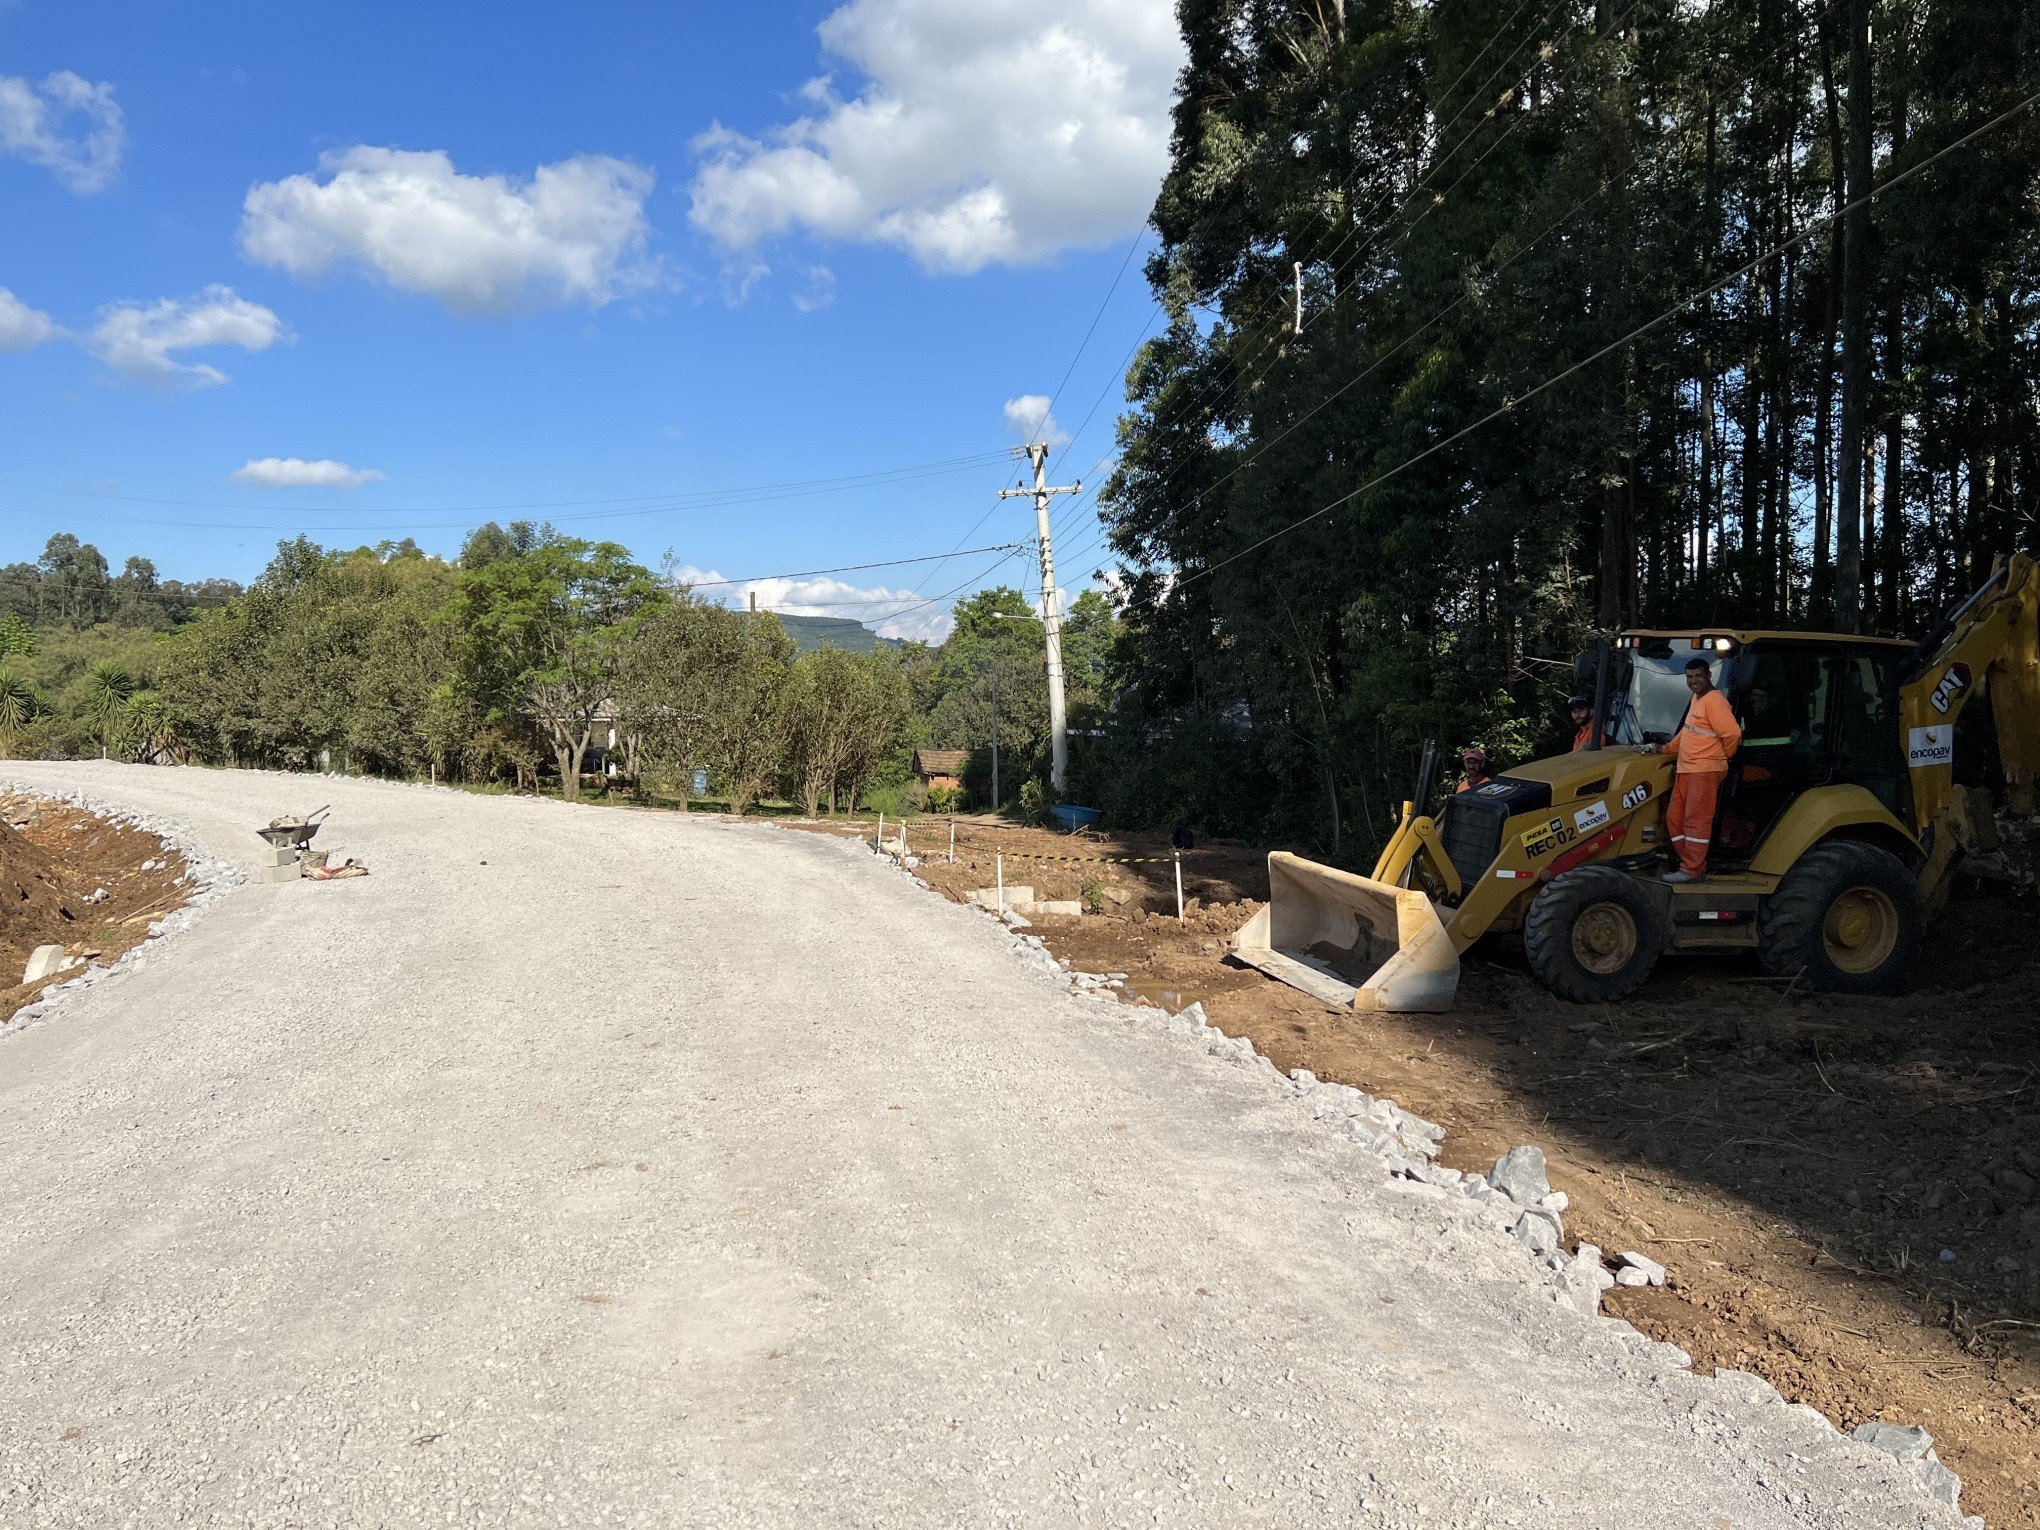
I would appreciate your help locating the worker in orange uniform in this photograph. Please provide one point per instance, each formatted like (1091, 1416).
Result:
(1705, 742)
(1473, 765)
(1582, 721)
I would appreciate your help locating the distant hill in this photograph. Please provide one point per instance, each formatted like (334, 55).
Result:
(812, 632)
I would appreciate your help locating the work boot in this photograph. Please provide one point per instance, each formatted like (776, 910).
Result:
(1676, 878)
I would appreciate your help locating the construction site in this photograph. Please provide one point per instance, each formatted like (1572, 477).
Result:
(1842, 1188)
(909, 763)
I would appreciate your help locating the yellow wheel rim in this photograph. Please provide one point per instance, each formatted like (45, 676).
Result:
(1604, 938)
(1861, 930)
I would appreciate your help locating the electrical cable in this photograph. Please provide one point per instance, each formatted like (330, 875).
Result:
(855, 568)
(1521, 249)
(1509, 405)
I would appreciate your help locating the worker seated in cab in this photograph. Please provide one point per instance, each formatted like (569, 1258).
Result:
(1473, 769)
(1582, 711)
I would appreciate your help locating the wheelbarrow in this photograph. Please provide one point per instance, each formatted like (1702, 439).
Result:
(293, 833)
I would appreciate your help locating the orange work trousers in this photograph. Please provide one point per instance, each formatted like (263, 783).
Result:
(1689, 817)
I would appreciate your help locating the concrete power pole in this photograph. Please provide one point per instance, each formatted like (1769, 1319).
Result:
(1051, 611)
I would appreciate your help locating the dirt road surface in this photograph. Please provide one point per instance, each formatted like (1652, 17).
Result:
(582, 1167)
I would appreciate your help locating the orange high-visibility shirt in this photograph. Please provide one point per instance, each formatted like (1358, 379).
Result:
(1708, 736)
(1584, 737)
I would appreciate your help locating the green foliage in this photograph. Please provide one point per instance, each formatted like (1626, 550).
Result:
(533, 649)
(698, 684)
(19, 706)
(104, 694)
(539, 634)
(844, 713)
(899, 799)
(944, 799)
(1037, 802)
(17, 638)
(1481, 196)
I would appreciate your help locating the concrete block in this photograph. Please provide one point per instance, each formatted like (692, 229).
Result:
(289, 873)
(1018, 894)
(276, 855)
(43, 961)
(1067, 908)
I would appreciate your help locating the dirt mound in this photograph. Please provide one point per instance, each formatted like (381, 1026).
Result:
(34, 898)
(68, 878)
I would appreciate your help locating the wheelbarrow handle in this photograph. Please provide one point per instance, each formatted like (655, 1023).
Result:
(318, 813)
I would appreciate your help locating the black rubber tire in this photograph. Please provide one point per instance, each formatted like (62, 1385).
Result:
(1555, 914)
(1795, 925)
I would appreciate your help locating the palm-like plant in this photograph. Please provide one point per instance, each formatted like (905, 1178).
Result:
(107, 688)
(145, 731)
(18, 707)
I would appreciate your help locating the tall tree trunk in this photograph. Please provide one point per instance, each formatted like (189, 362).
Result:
(1855, 325)
(1892, 538)
(1824, 398)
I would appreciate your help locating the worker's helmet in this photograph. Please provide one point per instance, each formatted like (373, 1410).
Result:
(1576, 702)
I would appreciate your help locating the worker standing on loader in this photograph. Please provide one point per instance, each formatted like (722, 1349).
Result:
(1706, 740)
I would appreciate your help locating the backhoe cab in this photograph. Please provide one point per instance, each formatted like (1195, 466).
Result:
(1840, 826)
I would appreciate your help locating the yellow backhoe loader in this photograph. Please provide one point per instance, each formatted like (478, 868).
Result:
(1840, 828)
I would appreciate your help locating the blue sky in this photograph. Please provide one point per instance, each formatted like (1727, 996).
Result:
(364, 271)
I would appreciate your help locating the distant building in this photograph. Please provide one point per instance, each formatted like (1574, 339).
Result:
(940, 767)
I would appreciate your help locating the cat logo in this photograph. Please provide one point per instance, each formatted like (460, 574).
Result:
(1952, 685)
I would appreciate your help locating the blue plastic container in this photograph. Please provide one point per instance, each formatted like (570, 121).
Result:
(1073, 817)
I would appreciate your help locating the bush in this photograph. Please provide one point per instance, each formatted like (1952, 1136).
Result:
(901, 801)
(944, 799)
(1037, 802)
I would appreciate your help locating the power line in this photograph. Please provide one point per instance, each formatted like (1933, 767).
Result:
(1240, 366)
(855, 568)
(1510, 404)
(1664, 165)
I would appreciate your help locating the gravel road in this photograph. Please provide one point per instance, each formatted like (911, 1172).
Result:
(586, 1167)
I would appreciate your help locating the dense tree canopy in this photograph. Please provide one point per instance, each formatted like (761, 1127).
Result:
(1585, 344)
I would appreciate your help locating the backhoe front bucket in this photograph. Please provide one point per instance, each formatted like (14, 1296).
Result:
(1350, 940)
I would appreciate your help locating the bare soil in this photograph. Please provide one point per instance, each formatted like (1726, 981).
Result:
(54, 861)
(1843, 1189)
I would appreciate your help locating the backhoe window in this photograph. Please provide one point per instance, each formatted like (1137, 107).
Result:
(1657, 698)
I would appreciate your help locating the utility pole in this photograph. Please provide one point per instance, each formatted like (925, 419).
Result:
(1051, 611)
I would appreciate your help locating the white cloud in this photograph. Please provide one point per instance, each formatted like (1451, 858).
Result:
(143, 341)
(891, 613)
(574, 232)
(820, 291)
(35, 126)
(296, 473)
(1028, 417)
(23, 328)
(998, 131)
